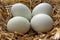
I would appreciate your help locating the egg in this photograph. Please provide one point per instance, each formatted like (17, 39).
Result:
(42, 8)
(18, 24)
(42, 23)
(20, 9)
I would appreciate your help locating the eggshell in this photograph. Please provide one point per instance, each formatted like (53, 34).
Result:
(18, 24)
(42, 8)
(20, 9)
(41, 23)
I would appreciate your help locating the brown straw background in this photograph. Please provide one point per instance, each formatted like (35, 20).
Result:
(5, 15)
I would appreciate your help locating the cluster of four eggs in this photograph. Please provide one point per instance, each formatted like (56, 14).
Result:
(39, 20)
